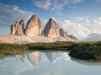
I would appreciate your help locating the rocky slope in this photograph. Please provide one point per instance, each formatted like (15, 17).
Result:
(34, 26)
(66, 36)
(17, 29)
(51, 29)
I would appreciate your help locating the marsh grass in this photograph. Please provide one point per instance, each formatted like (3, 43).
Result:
(82, 50)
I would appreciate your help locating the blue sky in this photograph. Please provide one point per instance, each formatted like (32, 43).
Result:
(77, 17)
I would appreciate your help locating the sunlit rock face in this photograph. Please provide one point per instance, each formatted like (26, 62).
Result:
(52, 56)
(52, 29)
(35, 58)
(34, 26)
(16, 30)
(20, 57)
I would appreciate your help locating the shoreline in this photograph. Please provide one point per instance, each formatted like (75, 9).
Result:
(82, 50)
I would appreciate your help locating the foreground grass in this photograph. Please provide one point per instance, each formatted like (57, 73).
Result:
(87, 51)
(82, 50)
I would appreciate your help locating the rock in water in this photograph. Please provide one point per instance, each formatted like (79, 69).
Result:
(52, 29)
(34, 26)
(16, 30)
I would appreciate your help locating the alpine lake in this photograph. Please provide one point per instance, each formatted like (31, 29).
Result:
(47, 63)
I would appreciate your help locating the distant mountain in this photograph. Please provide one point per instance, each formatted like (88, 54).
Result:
(34, 33)
(92, 37)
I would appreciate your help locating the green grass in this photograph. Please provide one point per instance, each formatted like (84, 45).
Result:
(87, 51)
(82, 50)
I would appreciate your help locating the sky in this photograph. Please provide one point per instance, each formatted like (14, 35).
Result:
(76, 17)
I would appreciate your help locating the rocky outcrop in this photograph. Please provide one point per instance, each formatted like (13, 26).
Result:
(52, 29)
(12, 30)
(34, 26)
(62, 33)
(33, 31)
(66, 36)
(73, 37)
(16, 30)
(22, 25)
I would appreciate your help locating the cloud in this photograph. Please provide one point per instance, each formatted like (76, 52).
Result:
(96, 27)
(54, 4)
(59, 4)
(42, 4)
(10, 14)
(75, 29)
(81, 27)
(44, 23)
(98, 1)
(81, 19)
(77, 1)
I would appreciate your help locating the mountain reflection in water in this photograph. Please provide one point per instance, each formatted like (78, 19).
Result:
(47, 63)
(36, 57)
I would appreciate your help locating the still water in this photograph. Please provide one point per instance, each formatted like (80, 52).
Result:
(47, 63)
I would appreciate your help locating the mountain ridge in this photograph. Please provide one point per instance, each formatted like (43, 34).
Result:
(34, 33)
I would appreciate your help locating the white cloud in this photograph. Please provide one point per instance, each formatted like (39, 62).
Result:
(54, 4)
(98, 1)
(77, 1)
(42, 4)
(79, 19)
(44, 23)
(81, 27)
(10, 14)
(96, 28)
(75, 29)
(59, 4)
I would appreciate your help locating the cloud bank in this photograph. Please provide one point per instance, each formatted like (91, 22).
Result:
(10, 14)
(54, 4)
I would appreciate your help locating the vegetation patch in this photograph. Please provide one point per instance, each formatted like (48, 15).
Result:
(82, 50)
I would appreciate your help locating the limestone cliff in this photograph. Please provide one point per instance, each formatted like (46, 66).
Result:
(16, 30)
(51, 29)
(34, 26)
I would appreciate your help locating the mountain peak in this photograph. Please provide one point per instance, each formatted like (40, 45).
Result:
(34, 26)
(52, 29)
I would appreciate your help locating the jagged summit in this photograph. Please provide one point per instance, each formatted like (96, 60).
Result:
(34, 26)
(22, 25)
(34, 32)
(16, 29)
(52, 29)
